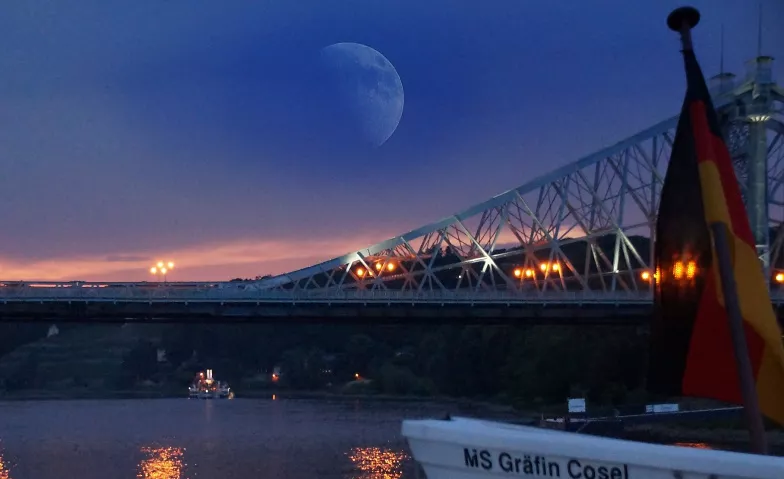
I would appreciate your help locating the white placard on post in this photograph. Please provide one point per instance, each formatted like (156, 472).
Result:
(576, 404)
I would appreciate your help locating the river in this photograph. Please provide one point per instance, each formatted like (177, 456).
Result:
(182, 438)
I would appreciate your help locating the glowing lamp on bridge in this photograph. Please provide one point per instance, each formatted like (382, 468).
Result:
(545, 267)
(647, 276)
(523, 273)
(390, 266)
(779, 278)
(360, 272)
(162, 268)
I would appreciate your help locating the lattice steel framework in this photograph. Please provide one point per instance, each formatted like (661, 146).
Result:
(584, 227)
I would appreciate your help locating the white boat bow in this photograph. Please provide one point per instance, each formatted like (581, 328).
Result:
(463, 448)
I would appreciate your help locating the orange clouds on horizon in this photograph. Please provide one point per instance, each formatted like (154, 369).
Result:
(216, 261)
(206, 262)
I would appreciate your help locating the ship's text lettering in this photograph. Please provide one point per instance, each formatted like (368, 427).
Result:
(527, 465)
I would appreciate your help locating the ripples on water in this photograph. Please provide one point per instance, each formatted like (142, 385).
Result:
(161, 463)
(195, 439)
(168, 463)
(378, 463)
(370, 462)
(192, 439)
(4, 472)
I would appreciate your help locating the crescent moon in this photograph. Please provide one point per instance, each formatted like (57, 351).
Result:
(370, 86)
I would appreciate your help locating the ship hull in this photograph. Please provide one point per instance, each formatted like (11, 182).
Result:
(462, 448)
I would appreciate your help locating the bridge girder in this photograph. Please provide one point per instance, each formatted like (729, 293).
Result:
(584, 227)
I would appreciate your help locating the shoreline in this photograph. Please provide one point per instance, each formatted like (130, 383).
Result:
(68, 394)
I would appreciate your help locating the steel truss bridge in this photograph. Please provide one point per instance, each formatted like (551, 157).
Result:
(573, 244)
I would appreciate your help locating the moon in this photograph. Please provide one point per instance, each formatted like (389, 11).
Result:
(369, 86)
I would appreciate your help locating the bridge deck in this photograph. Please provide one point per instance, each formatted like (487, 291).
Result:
(243, 302)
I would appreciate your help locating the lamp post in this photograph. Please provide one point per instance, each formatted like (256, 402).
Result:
(162, 268)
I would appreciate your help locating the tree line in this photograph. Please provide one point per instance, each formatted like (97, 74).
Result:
(523, 365)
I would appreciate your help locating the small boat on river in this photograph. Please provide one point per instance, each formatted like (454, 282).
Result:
(205, 386)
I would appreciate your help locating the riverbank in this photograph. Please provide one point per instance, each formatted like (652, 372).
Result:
(69, 394)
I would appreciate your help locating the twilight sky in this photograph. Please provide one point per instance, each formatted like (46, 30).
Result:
(191, 130)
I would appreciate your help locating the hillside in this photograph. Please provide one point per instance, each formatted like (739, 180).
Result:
(88, 357)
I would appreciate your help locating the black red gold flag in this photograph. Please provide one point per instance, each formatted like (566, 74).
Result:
(691, 347)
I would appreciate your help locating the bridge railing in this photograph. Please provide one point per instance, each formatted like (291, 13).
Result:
(240, 292)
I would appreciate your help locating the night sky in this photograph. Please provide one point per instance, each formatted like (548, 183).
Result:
(193, 130)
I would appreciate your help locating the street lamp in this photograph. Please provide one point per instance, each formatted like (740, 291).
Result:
(162, 268)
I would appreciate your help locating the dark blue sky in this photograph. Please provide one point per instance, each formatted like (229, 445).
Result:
(193, 130)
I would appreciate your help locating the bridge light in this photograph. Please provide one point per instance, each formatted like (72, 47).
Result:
(543, 267)
(556, 267)
(518, 272)
(646, 276)
(162, 267)
(360, 272)
(391, 266)
(779, 277)
(378, 266)
(529, 273)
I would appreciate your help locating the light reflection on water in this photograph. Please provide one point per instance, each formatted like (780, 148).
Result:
(378, 463)
(5, 472)
(160, 463)
(180, 439)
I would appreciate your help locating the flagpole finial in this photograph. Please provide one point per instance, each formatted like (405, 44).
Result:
(682, 20)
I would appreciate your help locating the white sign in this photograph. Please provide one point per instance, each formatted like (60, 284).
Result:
(576, 404)
(658, 408)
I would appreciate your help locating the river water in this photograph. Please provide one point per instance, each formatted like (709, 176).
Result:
(182, 438)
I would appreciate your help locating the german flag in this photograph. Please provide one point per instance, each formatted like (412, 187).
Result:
(691, 347)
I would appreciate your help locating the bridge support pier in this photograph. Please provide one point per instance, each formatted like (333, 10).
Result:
(758, 112)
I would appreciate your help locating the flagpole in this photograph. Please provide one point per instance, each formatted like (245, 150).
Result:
(682, 20)
(742, 361)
